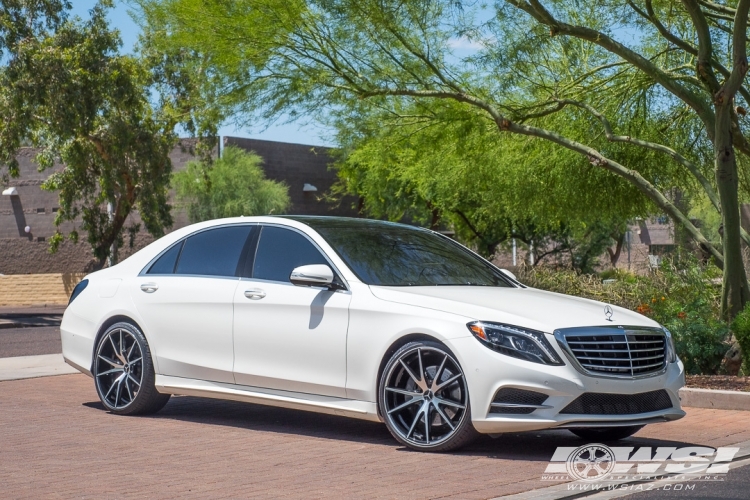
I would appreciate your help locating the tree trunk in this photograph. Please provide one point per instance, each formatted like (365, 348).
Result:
(735, 287)
(614, 255)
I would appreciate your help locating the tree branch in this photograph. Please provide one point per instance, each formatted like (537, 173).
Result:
(701, 107)
(703, 66)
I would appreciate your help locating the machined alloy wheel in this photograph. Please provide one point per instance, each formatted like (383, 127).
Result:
(424, 398)
(124, 374)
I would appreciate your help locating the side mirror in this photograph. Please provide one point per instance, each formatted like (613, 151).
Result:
(312, 275)
(509, 274)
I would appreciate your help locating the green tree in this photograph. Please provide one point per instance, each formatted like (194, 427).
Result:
(230, 186)
(65, 89)
(540, 66)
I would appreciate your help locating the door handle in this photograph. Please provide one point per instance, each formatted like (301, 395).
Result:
(255, 294)
(149, 287)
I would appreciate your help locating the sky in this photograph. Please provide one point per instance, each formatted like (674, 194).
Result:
(120, 19)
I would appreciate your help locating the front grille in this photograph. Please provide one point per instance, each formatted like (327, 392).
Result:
(516, 401)
(615, 351)
(594, 403)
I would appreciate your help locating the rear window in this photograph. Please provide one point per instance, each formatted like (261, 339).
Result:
(215, 252)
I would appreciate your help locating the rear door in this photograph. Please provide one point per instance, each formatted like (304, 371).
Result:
(185, 300)
(285, 336)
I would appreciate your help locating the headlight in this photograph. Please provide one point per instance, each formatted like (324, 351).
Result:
(78, 289)
(671, 350)
(529, 345)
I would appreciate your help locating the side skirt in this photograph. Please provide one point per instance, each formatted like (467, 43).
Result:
(364, 410)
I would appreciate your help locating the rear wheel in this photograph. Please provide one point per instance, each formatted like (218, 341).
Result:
(124, 373)
(424, 398)
(606, 433)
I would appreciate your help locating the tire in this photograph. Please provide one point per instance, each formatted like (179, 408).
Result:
(124, 372)
(606, 433)
(423, 398)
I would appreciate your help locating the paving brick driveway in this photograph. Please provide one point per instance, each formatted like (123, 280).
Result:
(56, 441)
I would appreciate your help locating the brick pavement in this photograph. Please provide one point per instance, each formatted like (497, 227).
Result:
(56, 441)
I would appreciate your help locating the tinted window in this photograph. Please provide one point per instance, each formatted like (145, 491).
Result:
(215, 252)
(165, 264)
(280, 251)
(394, 254)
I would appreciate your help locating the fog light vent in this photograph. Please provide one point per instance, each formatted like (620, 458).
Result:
(517, 401)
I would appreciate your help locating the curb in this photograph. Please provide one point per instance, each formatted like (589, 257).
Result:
(719, 400)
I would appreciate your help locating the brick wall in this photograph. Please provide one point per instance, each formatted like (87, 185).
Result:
(297, 165)
(37, 289)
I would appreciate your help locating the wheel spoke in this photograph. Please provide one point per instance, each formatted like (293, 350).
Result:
(439, 371)
(449, 381)
(110, 388)
(419, 382)
(404, 392)
(127, 387)
(130, 351)
(134, 380)
(444, 417)
(136, 360)
(113, 370)
(112, 342)
(113, 363)
(427, 423)
(117, 392)
(404, 405)
(448, 402)
(421, 367)
(416, 419)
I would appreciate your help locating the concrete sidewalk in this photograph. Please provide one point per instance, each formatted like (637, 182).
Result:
(45, 365)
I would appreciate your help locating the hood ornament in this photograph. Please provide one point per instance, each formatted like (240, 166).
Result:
(608, 312)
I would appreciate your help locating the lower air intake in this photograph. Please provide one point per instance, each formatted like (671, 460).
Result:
(594, 403)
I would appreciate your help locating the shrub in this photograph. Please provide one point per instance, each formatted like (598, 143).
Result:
(234, 185)
(741, 329)
(681, 295)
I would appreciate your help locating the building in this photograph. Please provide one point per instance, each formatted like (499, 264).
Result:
(305, 169)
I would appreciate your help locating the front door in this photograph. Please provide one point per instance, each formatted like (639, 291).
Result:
(285, 336)
(185, 302)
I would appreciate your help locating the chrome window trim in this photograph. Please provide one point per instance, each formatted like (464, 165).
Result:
(584, 331)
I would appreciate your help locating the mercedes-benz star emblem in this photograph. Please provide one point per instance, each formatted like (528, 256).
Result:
(608, 312)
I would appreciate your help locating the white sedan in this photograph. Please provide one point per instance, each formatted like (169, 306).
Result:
(368, 319)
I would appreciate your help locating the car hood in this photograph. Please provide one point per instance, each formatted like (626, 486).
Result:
(527, 307)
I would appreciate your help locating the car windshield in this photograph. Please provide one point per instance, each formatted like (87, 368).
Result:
(388, 254)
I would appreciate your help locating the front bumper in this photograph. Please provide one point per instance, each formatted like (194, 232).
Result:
(488, 371)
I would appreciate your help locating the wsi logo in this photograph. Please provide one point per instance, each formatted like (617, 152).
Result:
(598, 462)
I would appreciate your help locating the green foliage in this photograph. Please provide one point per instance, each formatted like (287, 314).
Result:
(66, 90)
(741, 330)
(455, 169)
(681, 295)
(618, 87)
(231, 186)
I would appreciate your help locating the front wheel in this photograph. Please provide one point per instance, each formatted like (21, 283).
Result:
(424, 398)
(606, 433)
(124, 373)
